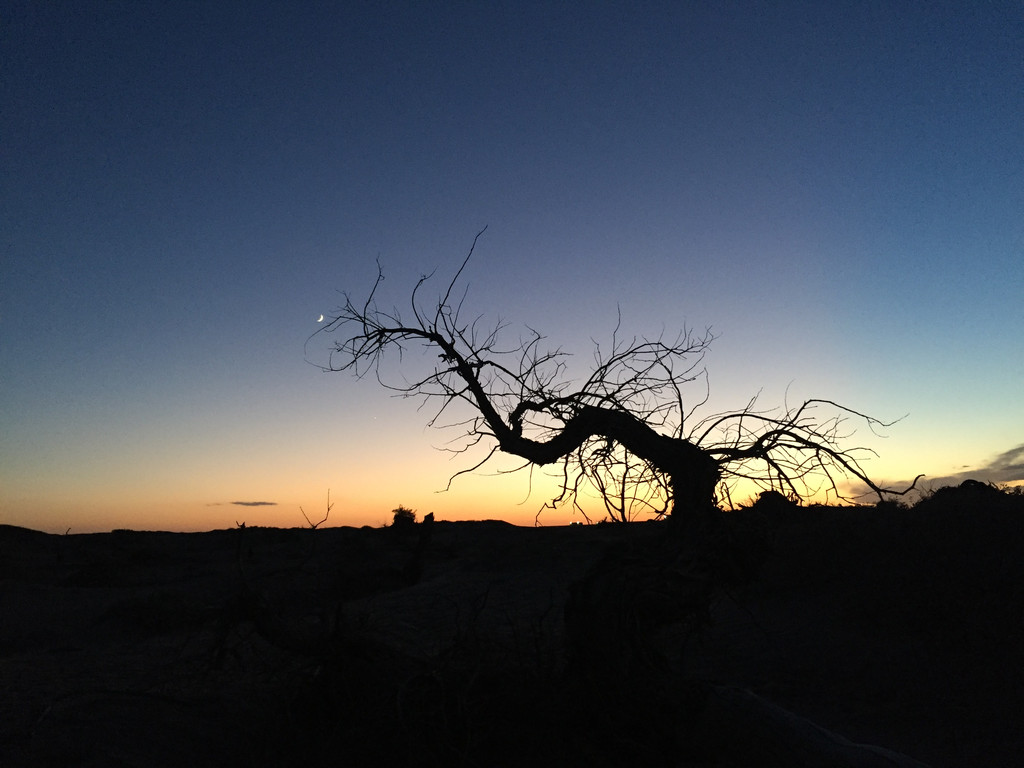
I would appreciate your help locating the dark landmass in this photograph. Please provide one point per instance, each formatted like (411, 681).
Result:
(447, 644)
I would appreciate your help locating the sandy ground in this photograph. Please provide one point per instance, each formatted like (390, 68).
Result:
(902, 630)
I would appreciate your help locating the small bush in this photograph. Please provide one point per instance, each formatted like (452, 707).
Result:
(969, 495)
(403, 516)
(774, 504)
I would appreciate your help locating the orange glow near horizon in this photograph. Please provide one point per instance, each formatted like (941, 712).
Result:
(395, 464)
(514, 498)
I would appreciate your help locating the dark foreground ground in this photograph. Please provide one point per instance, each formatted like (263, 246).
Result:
(264, 647)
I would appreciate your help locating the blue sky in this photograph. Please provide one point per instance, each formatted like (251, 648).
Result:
(836, 189)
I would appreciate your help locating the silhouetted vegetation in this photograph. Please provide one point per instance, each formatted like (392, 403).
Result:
(402, 516)
(630, 431)
(323, 519)
(486, 644)
(627, 430)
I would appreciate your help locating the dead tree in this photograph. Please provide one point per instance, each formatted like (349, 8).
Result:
(625, 430)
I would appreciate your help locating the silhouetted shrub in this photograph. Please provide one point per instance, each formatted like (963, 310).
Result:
(969, 495)
(403, 516)
(771, 499)
(890, 506)
(775, 506)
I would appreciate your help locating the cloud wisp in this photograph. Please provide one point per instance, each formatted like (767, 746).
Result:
(242, 503)
(1007, 467)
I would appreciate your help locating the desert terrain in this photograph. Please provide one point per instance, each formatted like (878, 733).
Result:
(447, 644)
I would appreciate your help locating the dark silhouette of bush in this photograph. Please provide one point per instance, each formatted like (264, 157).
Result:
(970, 495)
(773, 502)
(778, 508)
(890, 506)
(403, 516)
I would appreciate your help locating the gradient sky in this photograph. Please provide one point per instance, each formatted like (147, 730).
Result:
(837, 189)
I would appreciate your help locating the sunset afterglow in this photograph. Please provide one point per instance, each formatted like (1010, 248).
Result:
(835, 190)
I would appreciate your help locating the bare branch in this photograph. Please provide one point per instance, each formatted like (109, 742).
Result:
(330, 506)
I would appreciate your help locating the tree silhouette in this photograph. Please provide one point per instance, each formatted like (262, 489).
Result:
(626, 430)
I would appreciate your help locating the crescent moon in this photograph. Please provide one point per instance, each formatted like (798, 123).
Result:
(320, 319)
